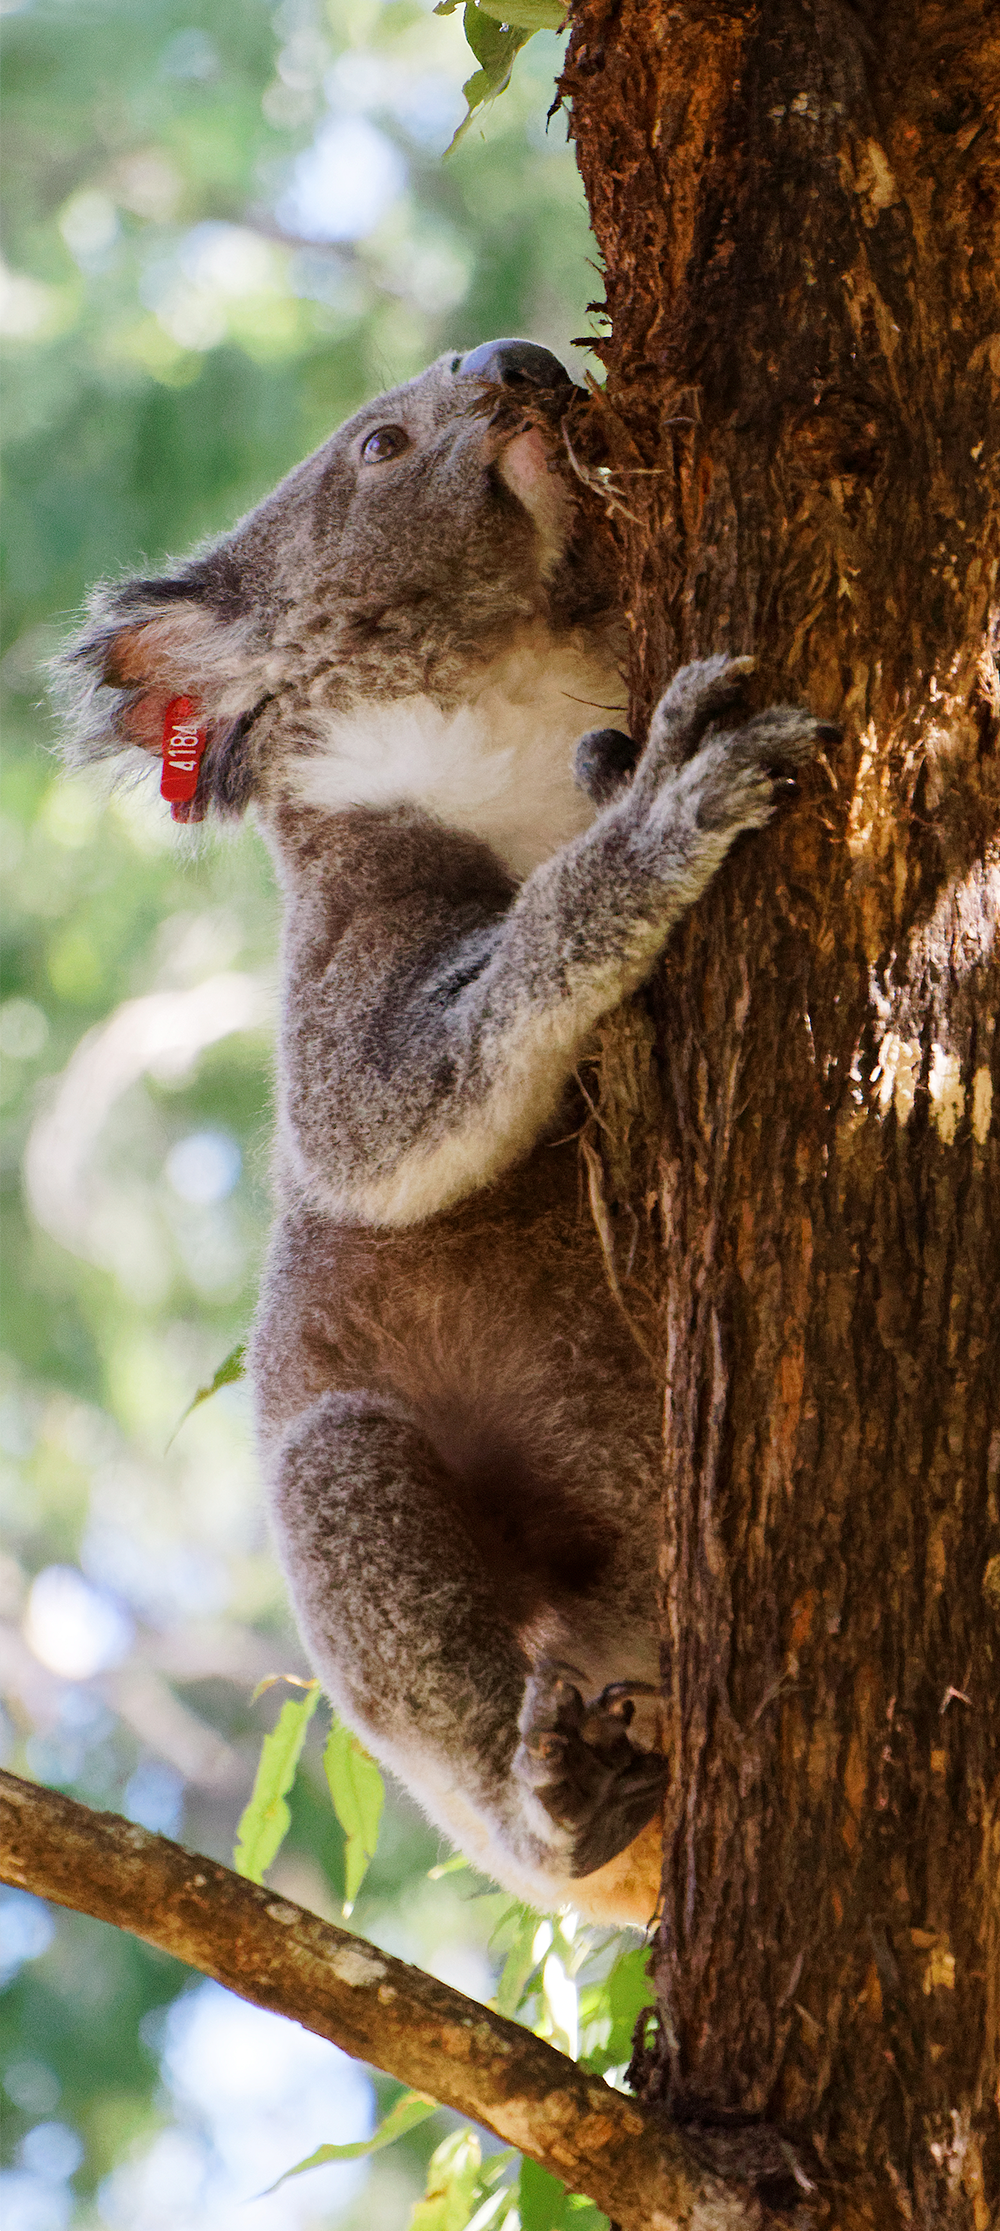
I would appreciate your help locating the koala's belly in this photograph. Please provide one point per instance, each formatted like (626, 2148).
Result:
(495, 1328)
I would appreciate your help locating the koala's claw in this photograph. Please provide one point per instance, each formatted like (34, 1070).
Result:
(581, 1765)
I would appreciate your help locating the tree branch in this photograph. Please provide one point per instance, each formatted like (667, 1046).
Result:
(641, 2172)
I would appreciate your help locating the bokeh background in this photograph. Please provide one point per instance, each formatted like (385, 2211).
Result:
(227, 223)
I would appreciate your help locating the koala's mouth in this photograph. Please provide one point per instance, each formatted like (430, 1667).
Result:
(528, 465)
(525, 451)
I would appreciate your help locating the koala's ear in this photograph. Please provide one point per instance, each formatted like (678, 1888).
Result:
(181, 646)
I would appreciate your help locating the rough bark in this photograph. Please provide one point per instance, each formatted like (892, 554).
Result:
(433, 2038)
(797, 204)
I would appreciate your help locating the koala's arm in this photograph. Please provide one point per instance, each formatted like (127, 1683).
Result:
(434, 1046)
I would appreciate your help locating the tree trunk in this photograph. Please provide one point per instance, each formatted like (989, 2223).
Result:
(797, 204)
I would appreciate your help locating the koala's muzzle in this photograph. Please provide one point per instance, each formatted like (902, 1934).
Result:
(513, 364)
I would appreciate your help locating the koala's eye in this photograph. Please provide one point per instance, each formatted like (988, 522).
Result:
(386, 442)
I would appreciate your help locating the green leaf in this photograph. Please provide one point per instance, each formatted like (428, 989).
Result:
(498, 2209)
(454, 2187)
(232, 1367)
(412, 2108)
(629, 1993)
(271, 1680)
(625, 1994)
(494, 46)
(520, 1964)
(496, 2166)
(265, 1821)
(493, 43)
(526, 15)
(545, 2205)
(452, 1866)
(358, 1794)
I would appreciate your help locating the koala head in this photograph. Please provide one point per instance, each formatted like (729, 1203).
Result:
(394, 561)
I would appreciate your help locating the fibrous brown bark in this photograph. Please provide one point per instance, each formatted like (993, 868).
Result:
(797, 203)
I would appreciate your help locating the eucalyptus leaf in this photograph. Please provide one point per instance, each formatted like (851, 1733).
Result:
(545, 2205)
(497, 2209)
(452, 1866)
(520, 1964)
(496, 2166)
(495, 46)
(494, 43)
(271, 1680)
(454, 2185)
(265, 1820)
(620, 2000)
(630, 1993)
(411, 2109)
(231, 1368)
(358, 1794)
(526, 15)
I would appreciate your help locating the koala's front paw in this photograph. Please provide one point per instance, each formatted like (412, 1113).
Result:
(580, 1764)
(737, 779)
(706, 750)
(700, 696)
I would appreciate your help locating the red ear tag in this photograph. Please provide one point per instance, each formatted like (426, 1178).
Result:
(183, 746)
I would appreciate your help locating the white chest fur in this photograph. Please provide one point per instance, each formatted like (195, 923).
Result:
(498, 766)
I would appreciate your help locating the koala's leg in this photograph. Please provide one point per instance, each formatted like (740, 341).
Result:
(413, 1633)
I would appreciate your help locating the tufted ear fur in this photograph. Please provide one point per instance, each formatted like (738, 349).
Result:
(148, 642)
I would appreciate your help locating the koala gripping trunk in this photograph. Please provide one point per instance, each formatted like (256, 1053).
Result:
(797, 208)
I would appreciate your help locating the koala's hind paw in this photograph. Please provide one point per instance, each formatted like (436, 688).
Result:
(577, 1759)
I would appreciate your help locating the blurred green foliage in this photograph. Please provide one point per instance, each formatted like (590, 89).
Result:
(226, 223)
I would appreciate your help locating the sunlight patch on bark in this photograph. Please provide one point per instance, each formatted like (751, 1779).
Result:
(982, 1106)
(895, 1073)
(947, 1093)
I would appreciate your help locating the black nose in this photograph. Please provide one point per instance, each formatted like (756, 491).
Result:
(513, 364)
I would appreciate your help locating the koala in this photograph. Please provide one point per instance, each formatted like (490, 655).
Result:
(391, 661)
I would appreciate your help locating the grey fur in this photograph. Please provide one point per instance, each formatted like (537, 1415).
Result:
(392, 656)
